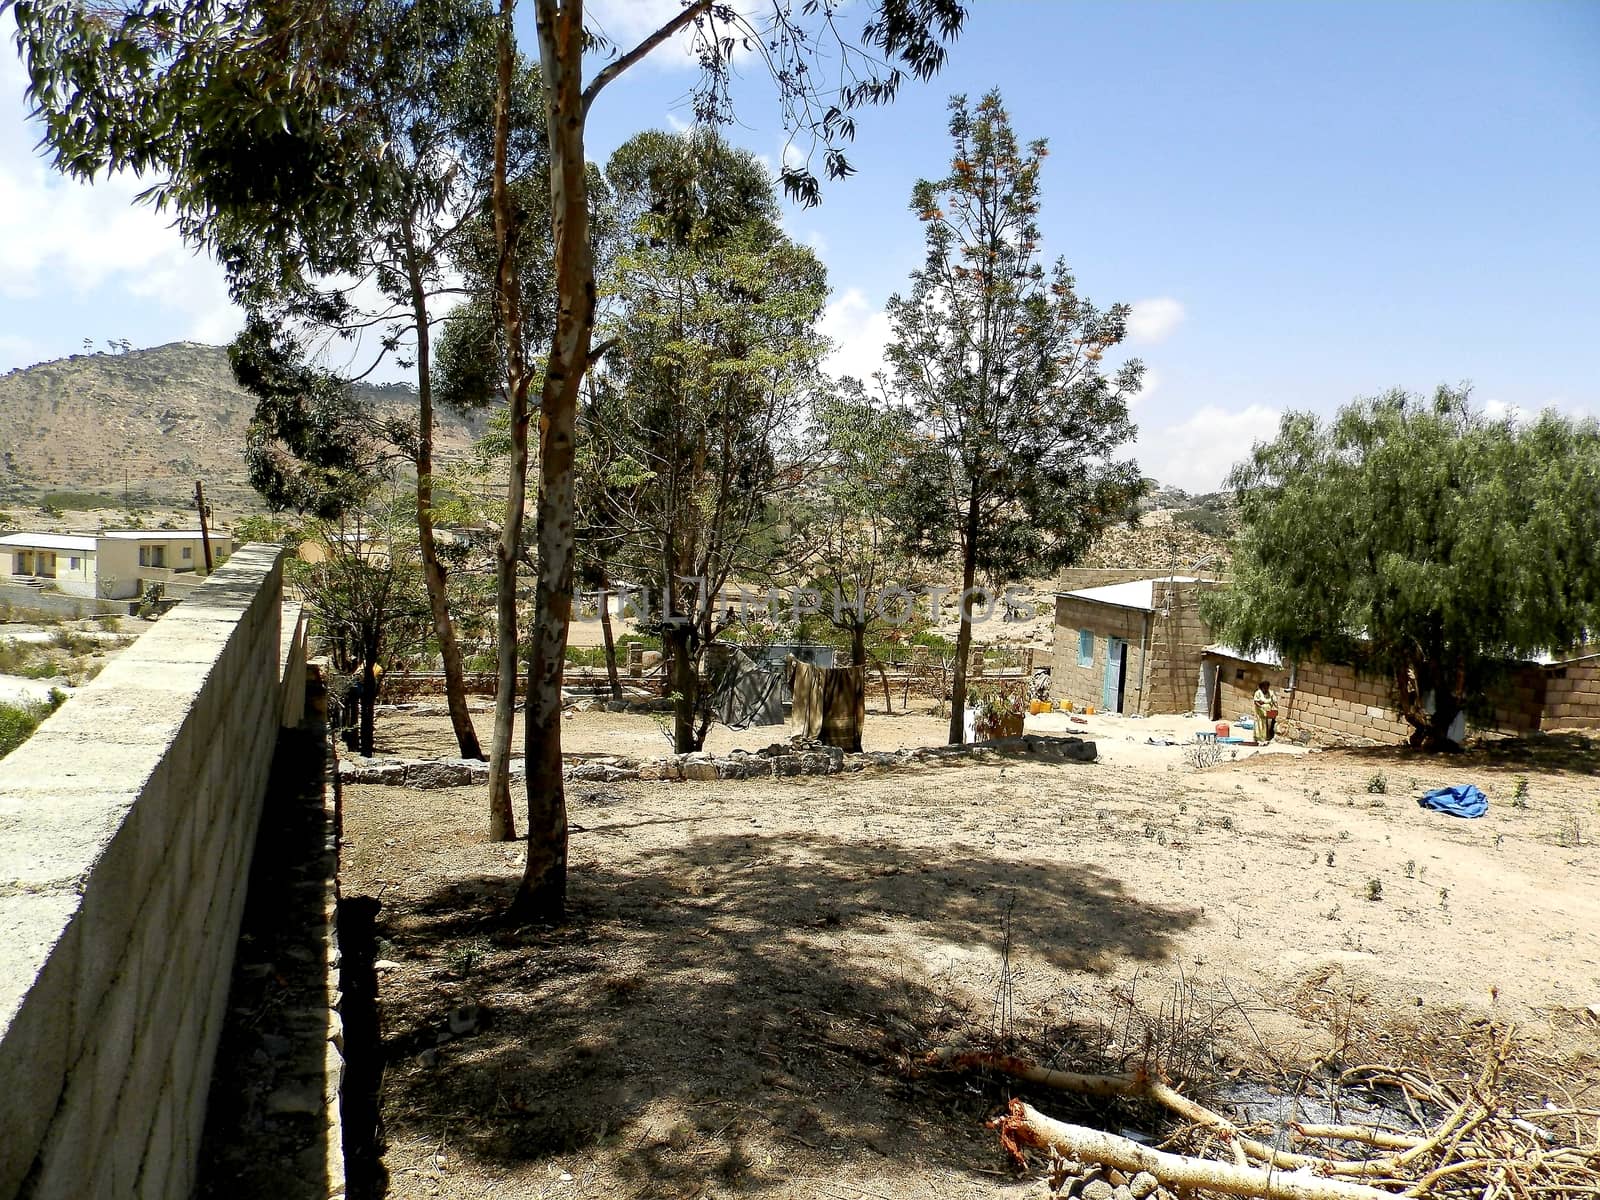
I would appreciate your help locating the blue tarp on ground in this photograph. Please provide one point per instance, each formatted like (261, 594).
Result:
(1463, 800)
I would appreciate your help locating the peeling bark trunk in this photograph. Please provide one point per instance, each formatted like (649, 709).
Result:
(455, 686)
(543, 891)
(508, 298)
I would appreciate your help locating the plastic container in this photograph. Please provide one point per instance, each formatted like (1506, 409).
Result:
(1222, 729)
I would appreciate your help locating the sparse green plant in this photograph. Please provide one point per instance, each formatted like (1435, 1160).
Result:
(109, 622)
(19, 720)
(1378, 784)
(1344, 835)
(1333, 913)
(1374, 888)
(1519, 792)
(1330, 858)
(1570, 834)
(1444, 898)
(1226, 822)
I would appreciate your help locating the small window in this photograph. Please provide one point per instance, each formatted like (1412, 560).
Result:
(1085, 648)
(188, 553)
(1239, 674)
(72, 563)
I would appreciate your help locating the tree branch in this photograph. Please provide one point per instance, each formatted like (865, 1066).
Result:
(610, 72)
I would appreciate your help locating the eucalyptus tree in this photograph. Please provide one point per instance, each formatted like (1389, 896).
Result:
(998, 364)
(257, 91)
(325, 158)
(1421, 541)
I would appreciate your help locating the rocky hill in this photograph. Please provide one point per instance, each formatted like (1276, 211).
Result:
(148, 421)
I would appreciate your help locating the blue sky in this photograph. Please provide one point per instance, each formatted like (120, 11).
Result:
(1305, 202)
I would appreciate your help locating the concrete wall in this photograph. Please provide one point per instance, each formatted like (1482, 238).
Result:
(127, 824)
(25, 600)
(1083, 685)
(1346, 704)
(1572, 696)
(118, 571)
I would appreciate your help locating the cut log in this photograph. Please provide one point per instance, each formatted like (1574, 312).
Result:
(1027, 1126)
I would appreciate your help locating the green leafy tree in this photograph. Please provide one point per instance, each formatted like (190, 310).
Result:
(1422, 542)
(851, 553)
(997, 362)
(256, 86)
(364, 594)
(326, 158)
(715, 369)
(309, 445)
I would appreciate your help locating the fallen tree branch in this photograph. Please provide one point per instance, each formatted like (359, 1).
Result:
(1142, 1086)
(1026, 1126)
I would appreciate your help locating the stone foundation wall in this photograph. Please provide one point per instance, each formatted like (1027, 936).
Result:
(127, 825)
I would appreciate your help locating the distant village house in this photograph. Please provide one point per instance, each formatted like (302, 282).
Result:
(114, 565)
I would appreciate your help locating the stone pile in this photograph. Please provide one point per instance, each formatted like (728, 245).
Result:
(780, 760)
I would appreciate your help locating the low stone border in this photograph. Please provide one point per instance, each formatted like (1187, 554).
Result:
(777, 761)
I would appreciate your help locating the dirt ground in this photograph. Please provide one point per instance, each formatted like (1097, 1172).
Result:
(754, 970)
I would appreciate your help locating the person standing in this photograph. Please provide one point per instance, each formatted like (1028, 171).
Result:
(1266, 706)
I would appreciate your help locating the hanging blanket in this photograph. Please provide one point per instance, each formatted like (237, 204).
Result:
(1463, 800)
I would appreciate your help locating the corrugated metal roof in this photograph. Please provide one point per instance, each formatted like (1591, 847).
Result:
(1268, 657)
(48, 541)
(1137, 593)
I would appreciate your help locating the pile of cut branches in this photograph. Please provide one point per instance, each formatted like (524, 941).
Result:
(1487, 1145)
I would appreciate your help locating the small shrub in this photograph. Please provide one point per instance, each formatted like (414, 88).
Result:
(1378, 785)
(1374, 889)
(1519, 792)
(1411, 868)
(18, 721)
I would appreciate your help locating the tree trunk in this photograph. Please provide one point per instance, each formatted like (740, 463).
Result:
(369, 702)
(684, 680)
(858, 645)
(969, 574)
(455, 684)
(543, 892)
(611, 646)
(508, 296)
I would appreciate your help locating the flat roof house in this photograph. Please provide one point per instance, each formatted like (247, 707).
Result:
(1131, 645)
(118, 564)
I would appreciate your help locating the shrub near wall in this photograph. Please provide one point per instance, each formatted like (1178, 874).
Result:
(127, 824)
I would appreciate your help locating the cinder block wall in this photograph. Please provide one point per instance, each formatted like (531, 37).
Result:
(1177, 639)
(1572, 697)
(127, 825)
(1082, 685)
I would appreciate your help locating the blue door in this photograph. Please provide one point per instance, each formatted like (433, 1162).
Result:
(1115, 649)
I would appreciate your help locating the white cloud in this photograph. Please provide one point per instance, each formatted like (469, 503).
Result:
(1154, 320)
(63, 237)
(1197, 453)
(859, 333)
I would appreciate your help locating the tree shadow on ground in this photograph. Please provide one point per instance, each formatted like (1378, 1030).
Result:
(717, 998)
(1556, 753)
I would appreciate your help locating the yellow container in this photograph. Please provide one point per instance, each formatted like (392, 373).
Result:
(1088, 710)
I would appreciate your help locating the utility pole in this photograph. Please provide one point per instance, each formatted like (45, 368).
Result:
(204, 510)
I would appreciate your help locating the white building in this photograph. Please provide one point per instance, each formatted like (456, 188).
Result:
(115, 565)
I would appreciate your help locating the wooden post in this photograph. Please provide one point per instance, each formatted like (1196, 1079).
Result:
(205, 533)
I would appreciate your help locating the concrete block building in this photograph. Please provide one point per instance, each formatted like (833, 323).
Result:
(117, 564)
(1126, 642)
